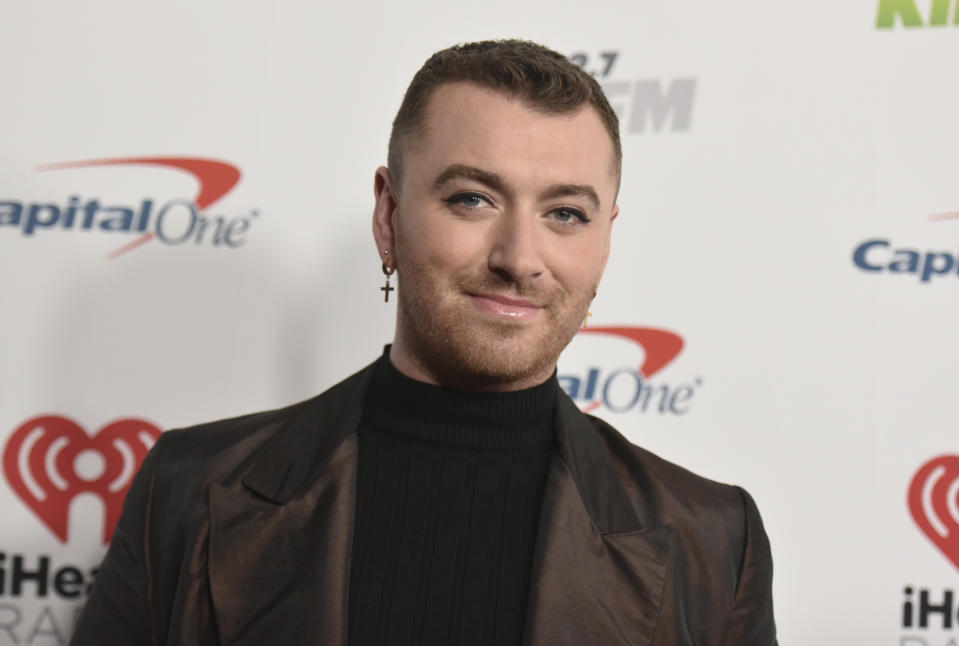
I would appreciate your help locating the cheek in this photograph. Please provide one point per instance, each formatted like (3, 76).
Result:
(580, 282)
(579, 268)
(440, 243)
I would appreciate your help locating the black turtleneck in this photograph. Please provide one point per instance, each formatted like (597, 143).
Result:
(448, 497)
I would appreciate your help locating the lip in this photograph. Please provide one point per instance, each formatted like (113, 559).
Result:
(514, 308)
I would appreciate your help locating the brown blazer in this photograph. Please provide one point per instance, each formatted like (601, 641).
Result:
(239, 532)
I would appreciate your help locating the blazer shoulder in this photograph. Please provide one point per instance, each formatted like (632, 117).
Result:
(716, 527)
(223, 451)
(674, 494)
(208, 441)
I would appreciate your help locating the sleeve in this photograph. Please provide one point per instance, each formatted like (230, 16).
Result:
(117, 612)
(751, 622)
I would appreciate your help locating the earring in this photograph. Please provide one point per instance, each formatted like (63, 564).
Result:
(388, 270)
(588, 314)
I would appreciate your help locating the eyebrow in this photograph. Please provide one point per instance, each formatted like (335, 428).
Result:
(494, 181)
(462, 171)
(566, 190)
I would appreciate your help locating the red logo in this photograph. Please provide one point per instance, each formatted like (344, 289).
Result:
(934, 503)
(661, 346)
(216, 179)
(592, 390)
(50, 459)
(939, 217)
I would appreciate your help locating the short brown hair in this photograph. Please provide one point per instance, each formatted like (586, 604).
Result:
(544, 79)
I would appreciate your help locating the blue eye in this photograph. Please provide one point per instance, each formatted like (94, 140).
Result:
(469, 199)
(568, 215)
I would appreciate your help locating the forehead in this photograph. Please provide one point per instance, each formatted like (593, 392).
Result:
(471, 125)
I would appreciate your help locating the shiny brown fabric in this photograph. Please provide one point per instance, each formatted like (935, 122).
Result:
(239, 533)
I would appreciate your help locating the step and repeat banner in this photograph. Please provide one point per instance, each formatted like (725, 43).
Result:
(185, 215)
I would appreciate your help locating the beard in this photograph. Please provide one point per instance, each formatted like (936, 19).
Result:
(463, 348)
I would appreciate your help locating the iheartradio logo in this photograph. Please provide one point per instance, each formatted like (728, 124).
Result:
(49, 460)
(934, 503)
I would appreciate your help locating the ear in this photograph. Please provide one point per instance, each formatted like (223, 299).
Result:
(383, 211)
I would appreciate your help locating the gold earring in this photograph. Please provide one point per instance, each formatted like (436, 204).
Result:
(588, 314)
(388, 270)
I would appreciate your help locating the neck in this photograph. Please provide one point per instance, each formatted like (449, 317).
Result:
(467, 419)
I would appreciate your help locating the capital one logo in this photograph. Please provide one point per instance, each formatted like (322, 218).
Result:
(631, 387)
(50, 460)
(172, 222)
(882, 256)
(934, 503)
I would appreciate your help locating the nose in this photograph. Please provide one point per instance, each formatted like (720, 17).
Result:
(515, 251)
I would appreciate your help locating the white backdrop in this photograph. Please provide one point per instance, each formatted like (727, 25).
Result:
(763, 143)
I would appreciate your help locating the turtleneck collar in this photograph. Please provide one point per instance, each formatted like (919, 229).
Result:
(463, 419)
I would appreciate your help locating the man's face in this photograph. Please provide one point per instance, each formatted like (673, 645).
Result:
(500, 232)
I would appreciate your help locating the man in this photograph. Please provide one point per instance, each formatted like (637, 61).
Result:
(449, 493)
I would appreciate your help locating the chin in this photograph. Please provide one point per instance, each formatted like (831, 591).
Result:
(504, 356)
(465, 348)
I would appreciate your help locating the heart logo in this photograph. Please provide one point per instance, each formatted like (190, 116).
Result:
(50, 459)
(934, 503)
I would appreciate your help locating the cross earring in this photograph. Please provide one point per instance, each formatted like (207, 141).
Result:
(388, 270)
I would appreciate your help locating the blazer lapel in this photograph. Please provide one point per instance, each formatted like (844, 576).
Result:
(280, 544)
(279, 574)
(598, 573)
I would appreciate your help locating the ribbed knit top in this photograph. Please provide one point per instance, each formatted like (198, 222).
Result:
(449, 491)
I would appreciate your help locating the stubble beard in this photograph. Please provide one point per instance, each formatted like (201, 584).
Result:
(462, 348)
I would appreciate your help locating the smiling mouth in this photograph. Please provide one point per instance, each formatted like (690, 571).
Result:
(513, 308)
